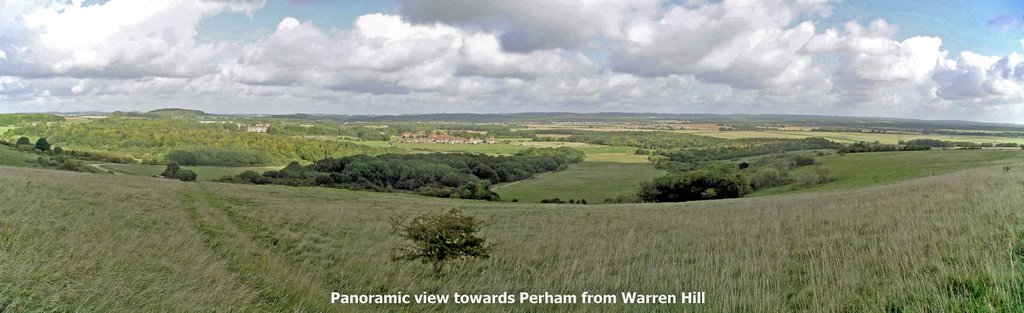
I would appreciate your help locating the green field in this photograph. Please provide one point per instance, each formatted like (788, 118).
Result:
(507, 148)
(864, 169)
(74, 241)
(598, 177)
(847, 137)
(4, 129)
(206, 173)
(11, 157)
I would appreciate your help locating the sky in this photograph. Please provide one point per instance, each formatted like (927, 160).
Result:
(939, 59)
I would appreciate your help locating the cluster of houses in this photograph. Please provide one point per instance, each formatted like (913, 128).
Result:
(440, 138)
(252, 128)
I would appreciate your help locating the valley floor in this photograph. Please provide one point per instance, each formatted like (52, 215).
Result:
(71, 241)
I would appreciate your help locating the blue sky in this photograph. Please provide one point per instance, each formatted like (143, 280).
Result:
(987, 27)
(428, 56)
(962, 25)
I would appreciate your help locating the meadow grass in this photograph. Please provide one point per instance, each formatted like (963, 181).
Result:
(864, 169)
(598, 177)
(11, 157)
(74, 241)
(205, 173)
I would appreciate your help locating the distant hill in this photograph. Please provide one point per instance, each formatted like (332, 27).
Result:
(176, 113)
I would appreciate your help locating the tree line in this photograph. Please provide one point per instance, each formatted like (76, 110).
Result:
(455, 175)
(153, 140)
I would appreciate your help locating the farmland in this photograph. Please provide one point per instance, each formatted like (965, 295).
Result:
(599, 177)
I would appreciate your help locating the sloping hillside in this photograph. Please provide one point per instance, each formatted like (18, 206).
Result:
(106, 242)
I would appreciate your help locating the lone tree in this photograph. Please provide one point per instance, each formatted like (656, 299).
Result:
(437, 238)
(23, 141)
(42, 144)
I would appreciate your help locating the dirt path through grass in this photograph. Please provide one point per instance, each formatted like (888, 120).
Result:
(276, 283)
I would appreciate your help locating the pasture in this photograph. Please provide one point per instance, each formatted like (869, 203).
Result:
(856, 170)
(112, 242)
(598, 177)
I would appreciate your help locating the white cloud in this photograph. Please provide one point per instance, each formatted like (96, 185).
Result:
(730, 56)
(120, 38)
(744, 44)
(974, 76)
(529, 25)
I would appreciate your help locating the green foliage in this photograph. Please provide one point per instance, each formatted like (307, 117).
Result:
(439, 238)
(24, 141)
(458, 175)
(186, 175)
(58, 151)
(42, 144)
(640, 139)
(26, 118)
(716, 181)
(861, 147)
(215, 156)
(172, 170)
(211, 143)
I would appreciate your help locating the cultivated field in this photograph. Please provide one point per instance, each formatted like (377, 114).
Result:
(75, 241)
(599, 177)
(508, 148)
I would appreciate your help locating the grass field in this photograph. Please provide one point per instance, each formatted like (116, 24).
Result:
(508, 148)
(205, 173)
(864, 169)
(75, 241)
(599, 177)
(4, 129)
(845, 137)
(11, 157)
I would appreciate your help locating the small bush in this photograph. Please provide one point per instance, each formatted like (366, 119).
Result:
(187, 175)
(438, 238)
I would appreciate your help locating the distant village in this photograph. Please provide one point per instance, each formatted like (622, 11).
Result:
(421, 137)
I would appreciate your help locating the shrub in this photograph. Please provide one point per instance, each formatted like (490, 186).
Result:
(42, 144)
(187, 175)
(438, 238)
(816, 177)
(23, 141)
(172, 170)
(716, 181)
(767, 177)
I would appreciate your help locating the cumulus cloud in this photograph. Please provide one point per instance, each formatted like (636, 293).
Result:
(729, 56)
(529, 25)
(120, 38)
(384, 54)
(974, 76)
(744, 44)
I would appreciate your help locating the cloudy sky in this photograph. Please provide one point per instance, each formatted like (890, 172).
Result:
(936, 59)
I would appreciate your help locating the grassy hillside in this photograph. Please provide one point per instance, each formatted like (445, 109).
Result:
(865, 169)
(598, 177)
(206, 173)
(848, 137)
(74, 241)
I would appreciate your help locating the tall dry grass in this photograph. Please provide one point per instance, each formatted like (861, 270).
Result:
(75, 241)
